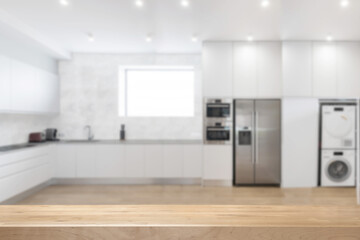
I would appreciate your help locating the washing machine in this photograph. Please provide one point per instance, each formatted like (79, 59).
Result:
(338, 127)
(338, 168)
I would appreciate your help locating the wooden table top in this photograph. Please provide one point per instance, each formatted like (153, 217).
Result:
(179, 215)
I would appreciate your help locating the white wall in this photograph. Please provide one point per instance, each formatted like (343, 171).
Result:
(89, 95)
(300, 142)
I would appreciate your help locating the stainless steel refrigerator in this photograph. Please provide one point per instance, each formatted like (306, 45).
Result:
(257, 142)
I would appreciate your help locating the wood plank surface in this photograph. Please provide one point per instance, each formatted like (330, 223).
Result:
(180, 215)
(179, 222)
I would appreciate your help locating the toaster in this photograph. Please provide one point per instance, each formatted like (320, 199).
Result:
(37, 137)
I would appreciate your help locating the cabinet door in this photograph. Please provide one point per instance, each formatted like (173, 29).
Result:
(110, 161)
(153, 161)
(23, 94)
(297, 69)
(269, 69)
(65, 162)
(134, 161)
(348, 61)
(173, 161)
(47, 92)
(325, 70)
(245, 70)
(217, 69)
(5, 83)
(192, 161)
(86, 161)
(218, 162)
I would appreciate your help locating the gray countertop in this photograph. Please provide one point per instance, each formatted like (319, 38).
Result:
(15, 147)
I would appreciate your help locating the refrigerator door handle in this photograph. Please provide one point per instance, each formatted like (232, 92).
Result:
(253, 137)
(257, 160)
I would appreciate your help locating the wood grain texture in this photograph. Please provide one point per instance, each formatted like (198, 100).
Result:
(180, 215)
(179, 222)
(193, 195)
(179, 233)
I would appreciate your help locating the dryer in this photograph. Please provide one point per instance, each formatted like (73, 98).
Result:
(338, 168)
(338, 127)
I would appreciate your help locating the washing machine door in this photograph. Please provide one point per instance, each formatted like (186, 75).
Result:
(339, 127)
(338, 170)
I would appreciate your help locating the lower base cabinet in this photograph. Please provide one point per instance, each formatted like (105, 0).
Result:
(129, 161)
(218, 162)
(23, 170)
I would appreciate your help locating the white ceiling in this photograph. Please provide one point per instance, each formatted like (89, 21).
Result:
(119, 26)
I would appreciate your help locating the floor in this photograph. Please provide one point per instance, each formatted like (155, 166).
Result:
(188, 195)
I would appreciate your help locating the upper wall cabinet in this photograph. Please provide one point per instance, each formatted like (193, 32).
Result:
(325, 69)
(5, 73)
(217, 62)
(242, 69)
(297, 69)
(348, 65)
(257, 69)
(269, 69)
(245, 70)
(26, 89)
(23, 87)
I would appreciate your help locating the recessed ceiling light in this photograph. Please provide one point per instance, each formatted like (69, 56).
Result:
(250, 38)
(265, 3)
(185, 3)
(148, 38)
(194, 39)
(329, 38)
(64, 2)
(91, 37)
(139, 3)
(344, 3)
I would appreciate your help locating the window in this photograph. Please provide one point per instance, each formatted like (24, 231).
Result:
(157, 92)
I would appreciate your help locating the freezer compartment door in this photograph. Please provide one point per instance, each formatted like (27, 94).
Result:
(244, 142)
(268, 142)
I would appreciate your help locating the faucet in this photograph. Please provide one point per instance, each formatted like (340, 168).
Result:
(90, 134)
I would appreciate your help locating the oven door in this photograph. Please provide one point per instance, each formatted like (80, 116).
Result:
(218, 135)
(218, 110)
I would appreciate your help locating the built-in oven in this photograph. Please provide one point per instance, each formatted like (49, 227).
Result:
(218, 133)
(218, 108)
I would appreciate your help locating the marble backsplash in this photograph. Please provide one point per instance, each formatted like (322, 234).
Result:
(89, 96)
(15, 128)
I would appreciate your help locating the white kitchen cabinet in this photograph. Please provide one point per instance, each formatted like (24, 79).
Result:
(154, 161)
(217, 64)
(269, 69)
(46, 99)
(23, 88)
(135, 161)
(5, 83)
(324, 69)
(299, 142)
(65, 161)
(297, 69)
(348, 65)
(218, 163)
(173, 161)
(110, 161)
(22, 170)
(193, 161)
(245, 70)
(86, 161)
